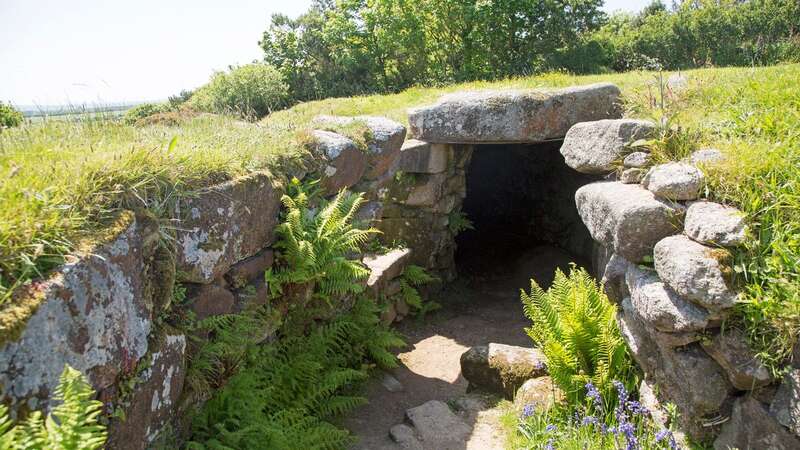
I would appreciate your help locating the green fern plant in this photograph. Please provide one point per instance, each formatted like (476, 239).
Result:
(72, 425)
(458, 222)
(575, 327)
(413, 277)
(315, 243)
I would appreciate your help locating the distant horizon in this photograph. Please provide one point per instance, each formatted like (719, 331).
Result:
(90, 53)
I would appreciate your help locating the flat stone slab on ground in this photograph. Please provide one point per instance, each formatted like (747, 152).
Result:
(524, 116)
(438, 427)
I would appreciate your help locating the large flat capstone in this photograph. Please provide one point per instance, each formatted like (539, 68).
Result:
(513, 115)
(626, 217)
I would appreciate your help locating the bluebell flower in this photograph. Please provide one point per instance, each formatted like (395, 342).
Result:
(549, 445)
(528, 410)
(638, 409)
(667, 435)
(590, 420)
(593, 394)
(629, 431)
(551, 428)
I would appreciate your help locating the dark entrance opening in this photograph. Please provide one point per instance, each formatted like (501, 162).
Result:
(521, 201)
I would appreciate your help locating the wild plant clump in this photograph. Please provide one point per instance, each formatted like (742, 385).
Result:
(594, 425)
(575, 327)
(9, 116)
(73, 424)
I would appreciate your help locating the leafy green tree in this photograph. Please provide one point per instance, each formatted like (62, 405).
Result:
(9, 116)
(250, 91)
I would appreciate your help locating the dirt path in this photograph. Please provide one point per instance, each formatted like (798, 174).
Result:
(476, 311)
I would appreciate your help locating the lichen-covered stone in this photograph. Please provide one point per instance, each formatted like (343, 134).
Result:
(207, 300)
(696, 272)
(659, 306)
(250, 269)
(541, 393)
(751, 427)
(785, 406)
(613, 278)
(423, 157)
(626, 218)
(512, 116)
(154, 400)
(595, 147)
(632, 176)
(730, 350)
(427, 190)
(386, 138)
(225, 224)
(94, 314)
(714, 224)
(636, 160)
(674, 181)
(343, 163)
(500, 368)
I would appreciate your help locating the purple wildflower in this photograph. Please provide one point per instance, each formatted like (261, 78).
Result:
(528, 410)
(638, 409)
(539, 365)
(593, 394)
(590, 420)
(549, 445)
(666, 434)
(551, 428)
(630, 436)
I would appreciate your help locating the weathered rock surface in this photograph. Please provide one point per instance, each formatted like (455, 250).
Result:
(437, 427)
(94, 315)
(707, 156)
(595, 147)
(786, 404)
(405, 437)
(207, 300)
(694, 271)
(384, 146)
(714, 224)
(500, 368)
(674, 181)
(386, 267)
(540, 392)
(427, 190)
(154, 402)
(613, 279)
(751, 427)
(250, 269)
(512, 116)
(659, 306)
(685, 375)
(632, 176)
(345, 163)
(729, 348)
(626, 217)
(636, 160)
(226, 224)
(423, 157)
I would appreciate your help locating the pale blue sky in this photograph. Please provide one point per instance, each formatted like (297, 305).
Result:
(104, 51)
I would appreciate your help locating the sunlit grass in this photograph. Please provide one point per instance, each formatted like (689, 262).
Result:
(60, 181)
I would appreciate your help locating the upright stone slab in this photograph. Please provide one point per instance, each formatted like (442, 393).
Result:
(225, 224)
(521, 116)
(423, 157)
(626, 217)
(94, 314)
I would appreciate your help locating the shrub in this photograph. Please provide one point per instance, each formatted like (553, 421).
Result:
(250, 91)
(575, 326)
(71, 425)
(143, 111)
(9, 116)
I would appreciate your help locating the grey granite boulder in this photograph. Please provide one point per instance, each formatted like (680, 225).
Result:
(660, 307)
(786, 404)
(386, 138)
(626, 218)
(386, 267)
(540, 393)
(225, 224)
(423, 157)
(674, 181)
(695, 272)
(751, 427)
(636, 160)
(501, 368)
(595, 147)
(438, 427)
(513, 115)
(344, 163)
(715, 224)
(730, 350)
(613, 278)
(632, 175)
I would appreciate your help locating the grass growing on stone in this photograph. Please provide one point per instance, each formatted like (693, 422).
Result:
(62, 181)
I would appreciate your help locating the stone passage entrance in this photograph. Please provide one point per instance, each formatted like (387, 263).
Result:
(520, 199)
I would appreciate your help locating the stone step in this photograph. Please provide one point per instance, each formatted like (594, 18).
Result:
(431, 426)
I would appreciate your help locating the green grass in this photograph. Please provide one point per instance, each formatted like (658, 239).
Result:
(62, 181)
